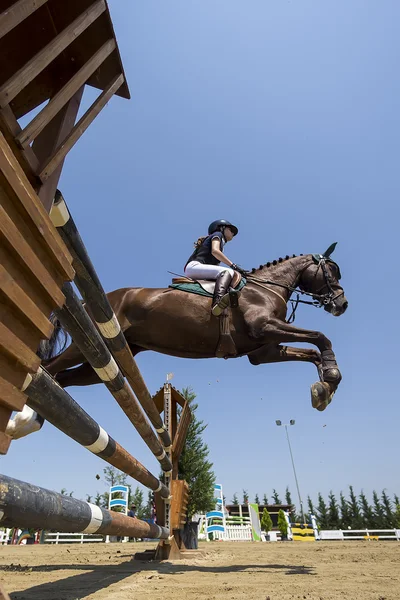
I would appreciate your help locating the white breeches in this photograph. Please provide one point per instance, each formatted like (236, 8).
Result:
(197, 270)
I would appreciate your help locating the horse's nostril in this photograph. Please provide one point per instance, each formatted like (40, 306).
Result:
(345, 305)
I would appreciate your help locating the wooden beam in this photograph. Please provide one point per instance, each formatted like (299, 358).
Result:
(17, 350)
(10, 396)
(61, 98)
(16, 13)
(81, 127)
(42, 59)
(16, 296)
(19, 183)
(49, 140)
(26, 255)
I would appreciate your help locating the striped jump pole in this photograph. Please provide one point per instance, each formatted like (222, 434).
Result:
(77, 322)
(29, 506)
(51, 401)
(93, 293)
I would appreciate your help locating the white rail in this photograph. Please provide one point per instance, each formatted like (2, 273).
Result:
(360, 534)
(71, 538)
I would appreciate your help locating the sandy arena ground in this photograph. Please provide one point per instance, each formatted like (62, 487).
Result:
(227, 571)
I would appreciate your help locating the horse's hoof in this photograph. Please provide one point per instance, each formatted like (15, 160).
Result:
(332, 375)
(320, 395)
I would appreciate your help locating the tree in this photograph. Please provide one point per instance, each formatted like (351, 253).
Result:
(113, 476)
(354, 510)
(282, 524)
(387, 506)
(396, 500)
(379, 511)
(397, 516)
(235, 500)
(64, 492)
(265, 500)
(333, 512)
(194, 465)
(345, 517)
(322, 511)
(311, 508)
(257, 500)
(288, 498)
(266, 521)
(136, 498)
(275, 497)
(245, 496)
(367, 511)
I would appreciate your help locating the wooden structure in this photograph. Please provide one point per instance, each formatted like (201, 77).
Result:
(167, 400)
(49, 51)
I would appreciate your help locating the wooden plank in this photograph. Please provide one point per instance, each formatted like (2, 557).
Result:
(11, 88)
(19, 352)
(17, 296)
(26, 157)
(18, 181)
(61, 98)
(11, 396)
(16, 13)
(81, 127)
(29, 258)
(181, 434)
(50, 139)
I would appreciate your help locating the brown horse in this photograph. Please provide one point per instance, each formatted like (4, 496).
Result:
(180, 324)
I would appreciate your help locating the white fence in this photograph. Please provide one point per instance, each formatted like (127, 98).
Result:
(71, 538)
(234, 533)
(360, 534)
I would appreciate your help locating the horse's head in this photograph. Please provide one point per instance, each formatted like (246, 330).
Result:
(321, 278)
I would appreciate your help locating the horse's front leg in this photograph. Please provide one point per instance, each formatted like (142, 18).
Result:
(277, 331)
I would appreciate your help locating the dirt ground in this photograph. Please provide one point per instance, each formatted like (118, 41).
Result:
(226, 571)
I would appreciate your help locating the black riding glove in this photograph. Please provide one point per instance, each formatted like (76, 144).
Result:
(238, 269)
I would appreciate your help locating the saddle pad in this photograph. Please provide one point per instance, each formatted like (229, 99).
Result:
(202, 287)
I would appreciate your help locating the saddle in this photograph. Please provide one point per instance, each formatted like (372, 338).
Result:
(226, 347)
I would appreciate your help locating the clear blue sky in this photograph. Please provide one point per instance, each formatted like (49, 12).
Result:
(283, 117)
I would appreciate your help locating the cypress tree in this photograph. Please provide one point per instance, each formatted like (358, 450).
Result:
(354, 510)
(397, 516)
(333, 512)
(245, 496)
(322, 511)
(311, 508)
(194, 465)
(275, 497)
(387, 506)
(266, 521)
(257, 500)
(282, 524)
(265, 499)
(345, 517)
(367, 512)
(235, 500)
(379, 512)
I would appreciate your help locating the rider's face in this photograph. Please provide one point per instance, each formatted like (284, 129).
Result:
(228, 234)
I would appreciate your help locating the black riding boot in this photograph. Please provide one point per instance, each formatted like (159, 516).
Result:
(221, 294)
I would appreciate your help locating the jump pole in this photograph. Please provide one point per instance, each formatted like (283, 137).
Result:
(77, 322)
(26, 505)
(55, 404)
(93, 293)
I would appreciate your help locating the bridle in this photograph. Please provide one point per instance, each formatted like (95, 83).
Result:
(319, 299)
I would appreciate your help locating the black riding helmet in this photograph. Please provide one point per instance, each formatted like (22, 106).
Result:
(220, 224)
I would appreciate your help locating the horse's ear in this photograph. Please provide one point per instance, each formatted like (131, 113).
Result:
(330, 250)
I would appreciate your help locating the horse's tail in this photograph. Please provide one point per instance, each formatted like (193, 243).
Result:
(57, 343)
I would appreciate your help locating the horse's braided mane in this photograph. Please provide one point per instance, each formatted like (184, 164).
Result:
(274, 262)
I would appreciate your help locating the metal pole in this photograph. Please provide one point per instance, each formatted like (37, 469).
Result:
(295, 476)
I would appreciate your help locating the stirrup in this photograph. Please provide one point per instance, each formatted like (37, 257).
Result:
(220, 305)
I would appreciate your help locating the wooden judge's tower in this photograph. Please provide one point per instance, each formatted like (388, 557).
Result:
(49, 51)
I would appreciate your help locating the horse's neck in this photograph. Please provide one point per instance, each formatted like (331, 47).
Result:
(287, 272)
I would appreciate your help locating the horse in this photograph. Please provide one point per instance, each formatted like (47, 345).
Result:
(180, 324)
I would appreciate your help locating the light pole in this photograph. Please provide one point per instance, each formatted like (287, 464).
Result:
(285, 425)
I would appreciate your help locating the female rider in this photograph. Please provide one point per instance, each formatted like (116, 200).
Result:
(205, 261)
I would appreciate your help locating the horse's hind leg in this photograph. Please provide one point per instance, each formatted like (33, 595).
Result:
(71, 357)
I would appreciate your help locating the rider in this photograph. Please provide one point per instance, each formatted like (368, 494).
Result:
(205, 261)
